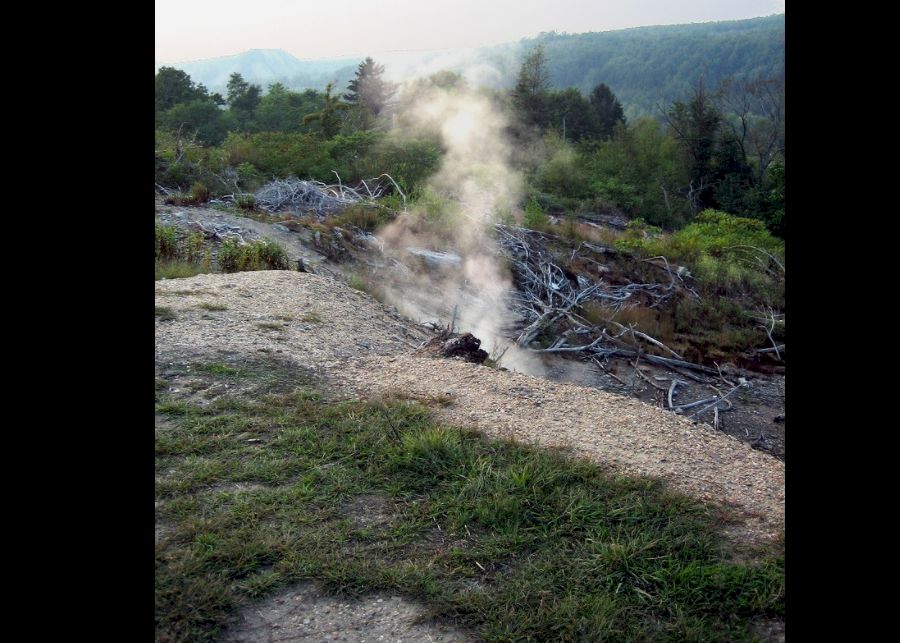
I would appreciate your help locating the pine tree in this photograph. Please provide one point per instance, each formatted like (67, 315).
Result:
(328, 117)
(243, 98)
(607, 110)
(530, 93)
(369, 93)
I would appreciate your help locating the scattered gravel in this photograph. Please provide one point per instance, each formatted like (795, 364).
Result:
(362, 348)
(304, 613)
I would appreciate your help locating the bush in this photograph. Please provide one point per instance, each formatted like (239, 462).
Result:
(564, 174)
(437, 215)
(199, 193)
(166, 242)
(724, 253)
(408, 162)
(249, 177)
(535, 218)
(280, 154)
(193, 247)
(245, 201)
(264, 254)
(363, 217)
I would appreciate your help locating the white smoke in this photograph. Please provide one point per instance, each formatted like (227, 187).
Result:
(474, 184)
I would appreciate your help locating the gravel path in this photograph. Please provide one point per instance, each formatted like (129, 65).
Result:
(305, 614)
(362, 348)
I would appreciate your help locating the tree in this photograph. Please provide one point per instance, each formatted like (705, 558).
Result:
(369, 93)
(755, 119)
(174, 86)
(569, 113)
(281, 110)
(642, 170)
(530, 93)
(328, 117)
(202, 117)
(695, 125)
(243, 98)
(607, 111)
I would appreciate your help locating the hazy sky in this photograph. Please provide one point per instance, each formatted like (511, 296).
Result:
(193, 29)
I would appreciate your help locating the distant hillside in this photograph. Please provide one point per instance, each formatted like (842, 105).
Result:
(267, 66)
(643, 66)
(650, 64)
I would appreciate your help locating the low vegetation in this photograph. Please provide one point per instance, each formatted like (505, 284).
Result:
(511, 542)
(718, 147)
(179, 255)
(165, 313)
(263, 254)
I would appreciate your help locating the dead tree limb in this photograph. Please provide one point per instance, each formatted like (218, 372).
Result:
(718, 400)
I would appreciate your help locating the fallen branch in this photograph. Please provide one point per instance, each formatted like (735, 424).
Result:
(645, 337)
(718, 401)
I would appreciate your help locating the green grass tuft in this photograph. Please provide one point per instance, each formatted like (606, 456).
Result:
(164, 313)
(206, 305)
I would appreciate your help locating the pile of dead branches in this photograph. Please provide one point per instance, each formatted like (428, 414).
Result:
(320, 198)
(548, 294)
(549, 299)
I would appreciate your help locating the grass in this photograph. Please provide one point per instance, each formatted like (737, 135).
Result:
(656, 323)
(364, 217)
(164, 313)
(219, 369)
(262, 254)
(367, 285)
(178, 269)
(271, 326)
(311, 317)
(207, 305)
(511, 542)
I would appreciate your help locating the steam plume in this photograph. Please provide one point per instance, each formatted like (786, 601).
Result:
(474, 184)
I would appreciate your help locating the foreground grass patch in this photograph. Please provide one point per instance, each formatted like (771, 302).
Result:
(179, 269)
(510, 541)
(165, 313)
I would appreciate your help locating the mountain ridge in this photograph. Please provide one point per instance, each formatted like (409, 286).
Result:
(642, 65)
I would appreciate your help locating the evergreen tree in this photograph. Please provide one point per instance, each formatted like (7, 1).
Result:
(243, 99)
(695, 125)
(369, 93)
(569, 114)
(530, 93)
(607, 111)
(328, 117)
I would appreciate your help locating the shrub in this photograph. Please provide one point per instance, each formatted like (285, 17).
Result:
(280, 154)
(199, 193)
(193, 246)
(726, 254)
(249, 176)
(535, 218)
(166, 242)
(564, 173)
(264, 254)
(363, 217)
(409, 162)
(245, 201)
